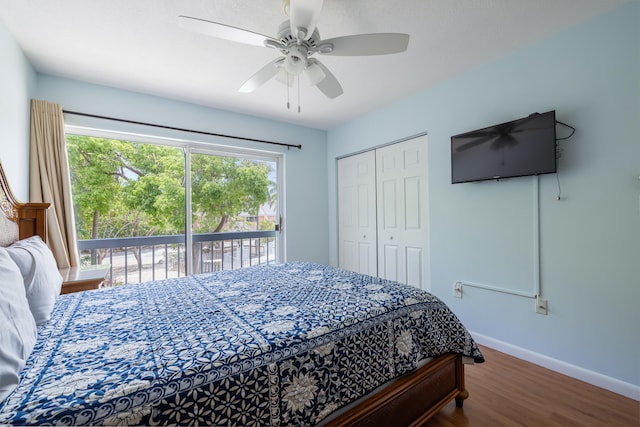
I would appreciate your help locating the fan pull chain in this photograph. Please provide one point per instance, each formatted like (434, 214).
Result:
(298, 93)
(288, 105)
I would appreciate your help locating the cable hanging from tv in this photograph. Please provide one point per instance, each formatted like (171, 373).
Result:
(573, 130)
(558, 148)
(559, 153)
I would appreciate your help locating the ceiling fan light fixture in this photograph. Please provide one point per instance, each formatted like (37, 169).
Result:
(284, 78)
(314, 73)
(295, 63)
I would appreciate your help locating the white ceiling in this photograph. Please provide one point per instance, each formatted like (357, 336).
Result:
(137, 45)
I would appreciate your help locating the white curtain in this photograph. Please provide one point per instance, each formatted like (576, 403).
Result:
(49, 180)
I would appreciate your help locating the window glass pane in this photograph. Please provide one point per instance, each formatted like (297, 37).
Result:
(131, 207)
(232, 194)
(125, 189)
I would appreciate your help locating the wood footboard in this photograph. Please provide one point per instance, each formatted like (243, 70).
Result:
(412, 399)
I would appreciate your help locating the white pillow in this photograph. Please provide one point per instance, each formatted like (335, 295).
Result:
(42, 280)
(18, 332)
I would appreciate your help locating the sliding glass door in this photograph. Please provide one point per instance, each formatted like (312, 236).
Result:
(234, 211)
(136, 210)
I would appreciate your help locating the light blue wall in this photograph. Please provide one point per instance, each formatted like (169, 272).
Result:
(484, 232)
(17, 82)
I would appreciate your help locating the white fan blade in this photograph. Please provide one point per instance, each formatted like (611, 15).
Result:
(329, 85)
(222, 31)
(304, 14)
(263, 75)
(366, 44)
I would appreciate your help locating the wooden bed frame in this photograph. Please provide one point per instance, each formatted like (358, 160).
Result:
(410, 400)
(30, 217)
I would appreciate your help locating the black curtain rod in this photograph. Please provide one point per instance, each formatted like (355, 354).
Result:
(75, 113)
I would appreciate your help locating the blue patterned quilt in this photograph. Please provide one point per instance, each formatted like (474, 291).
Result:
(283, 344)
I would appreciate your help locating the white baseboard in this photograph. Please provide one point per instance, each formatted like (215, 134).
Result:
(608, 383)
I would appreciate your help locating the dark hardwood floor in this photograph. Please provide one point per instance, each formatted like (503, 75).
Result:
(506, 391)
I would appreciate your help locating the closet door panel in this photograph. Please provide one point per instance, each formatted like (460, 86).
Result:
(401, 171)
(414, 266)
(389, 206)
(412, 207)
(390, 260)
(367, 253)
(383, 212)
(357, 223)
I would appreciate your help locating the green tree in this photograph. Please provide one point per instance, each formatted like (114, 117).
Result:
(224, 187)
(124, 189)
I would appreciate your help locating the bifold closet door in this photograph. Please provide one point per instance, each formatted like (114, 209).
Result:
(357, 213)
(402, 194)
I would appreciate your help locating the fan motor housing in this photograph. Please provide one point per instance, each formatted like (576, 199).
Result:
(288, 39)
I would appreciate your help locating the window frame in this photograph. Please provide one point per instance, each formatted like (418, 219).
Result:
(195, 146)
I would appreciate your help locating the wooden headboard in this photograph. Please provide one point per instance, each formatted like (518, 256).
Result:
(29, 218)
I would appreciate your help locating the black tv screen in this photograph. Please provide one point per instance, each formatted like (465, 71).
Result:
(520, 147)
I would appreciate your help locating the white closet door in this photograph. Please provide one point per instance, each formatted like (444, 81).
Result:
(401, 171)
(357, 213)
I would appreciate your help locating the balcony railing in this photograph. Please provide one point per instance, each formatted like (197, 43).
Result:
(140, 259)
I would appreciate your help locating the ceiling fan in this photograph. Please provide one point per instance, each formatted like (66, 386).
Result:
(298, 40)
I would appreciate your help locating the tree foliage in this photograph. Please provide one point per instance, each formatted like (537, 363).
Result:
(223, 187)
(123, 189)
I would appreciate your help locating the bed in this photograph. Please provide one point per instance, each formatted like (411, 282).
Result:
(282, 344)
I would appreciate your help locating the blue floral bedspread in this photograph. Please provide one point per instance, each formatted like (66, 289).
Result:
(283, 344)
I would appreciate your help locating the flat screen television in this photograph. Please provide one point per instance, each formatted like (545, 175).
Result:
(522, 147)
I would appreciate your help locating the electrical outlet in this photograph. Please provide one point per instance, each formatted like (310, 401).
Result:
(541, 306)
(457, 289)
